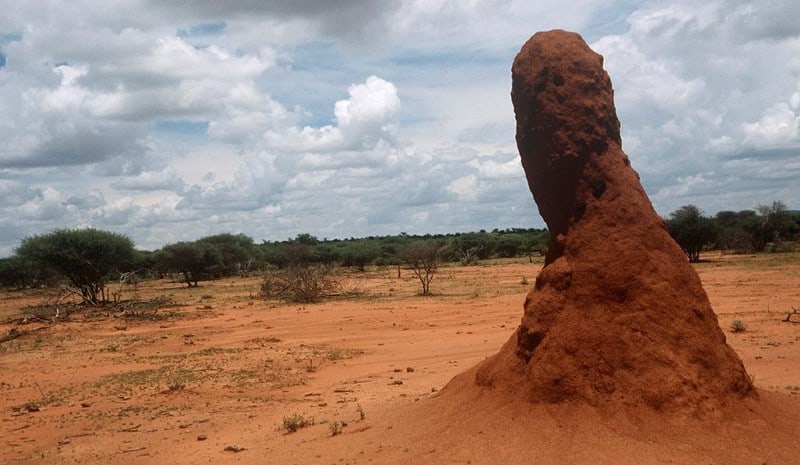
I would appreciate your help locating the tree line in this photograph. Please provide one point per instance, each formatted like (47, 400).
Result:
(87, 259)
(770, 227)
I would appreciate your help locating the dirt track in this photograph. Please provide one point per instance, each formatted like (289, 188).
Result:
(224, 368)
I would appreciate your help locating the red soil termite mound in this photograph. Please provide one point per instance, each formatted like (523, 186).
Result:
(619, 358)
(617, 316)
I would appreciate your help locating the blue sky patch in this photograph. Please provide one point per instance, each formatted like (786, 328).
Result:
(203, 29)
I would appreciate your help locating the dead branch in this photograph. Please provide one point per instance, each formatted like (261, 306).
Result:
(135, 449)
(12, 333)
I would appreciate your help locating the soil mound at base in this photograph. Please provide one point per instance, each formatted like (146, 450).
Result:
(468, 424)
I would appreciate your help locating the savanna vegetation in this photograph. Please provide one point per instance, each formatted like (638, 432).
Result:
(768, 228)
(299, 269)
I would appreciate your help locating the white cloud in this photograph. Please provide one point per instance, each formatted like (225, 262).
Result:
(368, 117)
(47, 205)
(778, 126)
(464, 185)
(166, 179)
(174, 123)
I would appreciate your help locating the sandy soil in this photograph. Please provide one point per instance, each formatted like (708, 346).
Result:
(223, 370)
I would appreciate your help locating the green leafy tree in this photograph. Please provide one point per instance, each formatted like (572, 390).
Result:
(85, 257)
(775, 222)
(360, 253)
(325, 254)
(306, 239)
(509, 245)
(193, 260)
(536, 243)
(236, 253)
(470, 247)
(691, 230)
(16, 272)
(739, 231)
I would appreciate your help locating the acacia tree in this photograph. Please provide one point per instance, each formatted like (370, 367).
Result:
(85, 257)
(191, 259)
(236, 254)
(470, 247)
(691, 230)
(423, 258)
(359, 254)
(16, 272)
(774, 222)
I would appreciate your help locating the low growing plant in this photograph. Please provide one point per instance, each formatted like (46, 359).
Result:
(301, 284)
(296, 421)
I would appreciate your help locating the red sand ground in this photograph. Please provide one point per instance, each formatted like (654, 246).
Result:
(230, 366)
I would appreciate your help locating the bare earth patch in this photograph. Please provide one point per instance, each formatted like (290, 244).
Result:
(213, 373)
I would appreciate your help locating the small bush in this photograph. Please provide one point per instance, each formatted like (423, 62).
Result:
(336, 427)
(737, 326)
(302, 284)
(293, 423)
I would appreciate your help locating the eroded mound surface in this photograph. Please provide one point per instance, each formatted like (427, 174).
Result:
(617, 315)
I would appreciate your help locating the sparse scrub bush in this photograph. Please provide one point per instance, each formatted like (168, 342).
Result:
(295, 422)
(302, 284)
(737, 326)
(336, 427)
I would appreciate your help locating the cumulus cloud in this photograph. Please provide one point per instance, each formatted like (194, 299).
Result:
(696, 84)
(47, 205)
(780, 125)
(296, 117)
(368, 117)
(100, 105)
(166, 179)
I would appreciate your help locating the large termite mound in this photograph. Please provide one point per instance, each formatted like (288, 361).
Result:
(617, 315)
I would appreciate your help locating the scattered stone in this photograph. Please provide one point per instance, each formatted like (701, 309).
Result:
(409, 370)
(234, 448)
(202, 437)
(396, 382)
(86, 404)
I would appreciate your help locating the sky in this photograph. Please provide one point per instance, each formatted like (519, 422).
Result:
(171, 121)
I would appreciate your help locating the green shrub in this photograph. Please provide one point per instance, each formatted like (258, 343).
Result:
(737, 326)
(293, 423)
